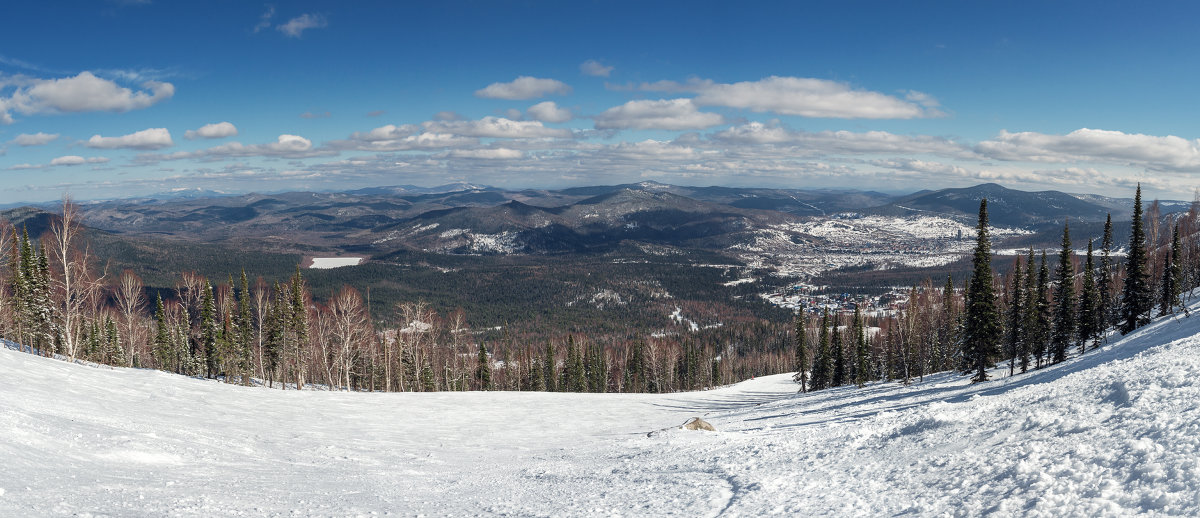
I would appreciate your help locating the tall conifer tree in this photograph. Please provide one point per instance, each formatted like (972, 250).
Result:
(1089, 304)
(1064, 300)
(981, 335)
(1136, 299)
(801, 358)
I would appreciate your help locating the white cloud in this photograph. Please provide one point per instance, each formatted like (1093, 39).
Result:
(847, 142)
(389, 132)
(653, 149)
(548, 111)
(153, 138)
(82, 93)
(592, 67)
(524, 87)
(75, 160)
(485, 154)
(315, 115)
(215, 130)
(286, 146)
(1090, 145)
(673, 114)
(296, 26)
(35, 139)
(805, 97)
(264, 21)
(496, 127)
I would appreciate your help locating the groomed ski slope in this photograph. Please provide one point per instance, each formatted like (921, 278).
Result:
(1114, 432)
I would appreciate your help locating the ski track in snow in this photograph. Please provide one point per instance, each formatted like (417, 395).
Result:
(1111, 433)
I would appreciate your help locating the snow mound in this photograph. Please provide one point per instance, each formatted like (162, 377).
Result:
(1114, 432)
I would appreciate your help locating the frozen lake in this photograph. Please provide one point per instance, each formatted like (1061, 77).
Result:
(335, 262)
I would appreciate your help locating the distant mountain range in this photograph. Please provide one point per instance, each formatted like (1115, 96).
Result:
(463, 218)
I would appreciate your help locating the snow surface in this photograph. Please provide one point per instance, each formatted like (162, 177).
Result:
(1114, 432)
(335, 262)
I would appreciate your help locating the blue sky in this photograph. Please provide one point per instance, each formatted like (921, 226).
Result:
(121, 98)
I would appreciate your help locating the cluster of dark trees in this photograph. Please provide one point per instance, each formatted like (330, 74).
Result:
(1026, 317)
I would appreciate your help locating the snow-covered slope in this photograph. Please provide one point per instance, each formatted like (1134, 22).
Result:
(1114, 432)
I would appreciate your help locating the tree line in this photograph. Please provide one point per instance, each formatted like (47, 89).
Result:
(56, 300)
(1027, 317)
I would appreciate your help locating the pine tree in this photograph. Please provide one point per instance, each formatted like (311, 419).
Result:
(1136, 300)
(483, 369)
(1064, 300)
(981, 335)
(1016, 314)
(1089, 305)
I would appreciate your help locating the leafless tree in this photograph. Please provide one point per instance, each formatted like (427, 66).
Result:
(131, 301)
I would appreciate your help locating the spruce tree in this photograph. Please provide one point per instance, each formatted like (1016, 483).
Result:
(1136, 299)
(1105, 278)
(948, 328)
(822, 372)
(245, 331)
(801, 355)
(1029, 329)
(163, 353)
(862, 354)
(1043, 311)
(838, 350)
(208, 333)
(1064, 300)
(483, 369)
(1016, 314)
(981, 335)
(1172, 277)
(550, 367)
(1089, 305)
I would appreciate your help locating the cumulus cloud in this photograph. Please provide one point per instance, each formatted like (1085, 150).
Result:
(524, 87)
(805, 97)
(34, 139)
(496, 127)
(672, 114)
(215, 130)
(548, 111)
(153, 138)
(77, 160)
(286, 146)
(757, 133)
(295, 27)
(82, 93)
(1091, 145)
(485, 154)
(592, 67)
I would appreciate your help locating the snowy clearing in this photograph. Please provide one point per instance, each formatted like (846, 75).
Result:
(335, 262)
(1114, 432)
